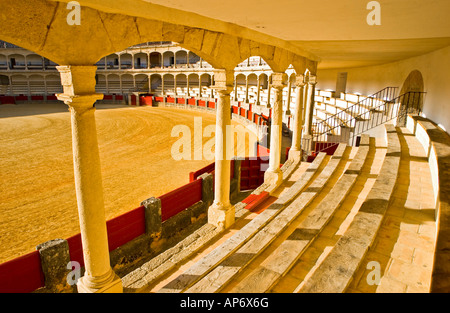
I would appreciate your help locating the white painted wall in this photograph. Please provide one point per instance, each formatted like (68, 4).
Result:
(435, 69)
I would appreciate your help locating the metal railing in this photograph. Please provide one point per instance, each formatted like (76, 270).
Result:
(365, 119)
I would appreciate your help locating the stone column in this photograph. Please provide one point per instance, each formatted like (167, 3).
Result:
(295, 151)
(221, 213)
(79, 94)
(246, 89)
(288, 100)
(273, 174)
(258, 93)
(310, 105)
(309, 114)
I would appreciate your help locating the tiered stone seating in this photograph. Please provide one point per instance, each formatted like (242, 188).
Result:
(223, 263)
(337, 215)
(337, 270)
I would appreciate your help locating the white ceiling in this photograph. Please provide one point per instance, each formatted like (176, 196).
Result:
(337, 30)
(334, 30)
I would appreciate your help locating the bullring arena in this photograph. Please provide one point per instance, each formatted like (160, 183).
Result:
(135, 148)
(189, 147)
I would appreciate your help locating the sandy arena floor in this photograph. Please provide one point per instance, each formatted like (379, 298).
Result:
(37, 192)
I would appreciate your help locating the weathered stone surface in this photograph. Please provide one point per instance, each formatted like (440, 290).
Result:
(153, 224)
(55, 257)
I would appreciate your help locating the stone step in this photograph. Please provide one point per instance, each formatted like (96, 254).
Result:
(337, 269)
(282, 258)
(234, 262)
(207, 263)
(404, 246)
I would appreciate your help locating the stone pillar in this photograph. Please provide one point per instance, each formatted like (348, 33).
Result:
(246, 89)
(258, 93)
(288, 100)
(273, 174)
(295, 151)
(310, 105)
(221, 213)
(307, 144)
(79, 94)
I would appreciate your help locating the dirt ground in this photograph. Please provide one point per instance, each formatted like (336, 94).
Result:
(37, 195)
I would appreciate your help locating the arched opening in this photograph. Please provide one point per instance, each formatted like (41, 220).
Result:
(142, 83)
(194, 60)
(101, 86)
(204, 85)
(112, 61)
(3, 62)
(240, 82)
(19, 85)
(168, 85)
(16, 62)
(114, 84)
(4, 85)
(53, 84)
(127, 83)
(253, 86)
(168, 59)
(155, 60)
(37, 84)
(181, 82)
(413, 83)
(34, 62)
(140, 60)
(155, 83)
(126, 61)
(193, 85)
(412, 101)
(181, 58)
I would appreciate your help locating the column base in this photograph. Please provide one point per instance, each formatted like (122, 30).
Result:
(307, 143)
(111, 286)
(273, 177)
(295, 155)
(221, 216)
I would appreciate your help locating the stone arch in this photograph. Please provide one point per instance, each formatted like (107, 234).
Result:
(127, 82)
(155, 59)
(140, 60)
(142, 82)
(181, 58)
(412, 88)
(155, 82)
(126, 61)
(101, 86)
(114, 83)
(413, 83)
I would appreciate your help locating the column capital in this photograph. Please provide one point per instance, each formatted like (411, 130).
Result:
(300, 80)
(223, 79)
(312, 80)
(278, 80)
(79, 83)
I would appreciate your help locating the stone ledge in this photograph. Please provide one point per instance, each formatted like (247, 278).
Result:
(436, 143)
(204, 266)
(228, 267)
(336, 271)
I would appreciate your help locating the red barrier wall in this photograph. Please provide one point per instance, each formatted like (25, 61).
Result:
(7, 100)
(180, 199)
(22, 275)
(146, 100)
(125, 227)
